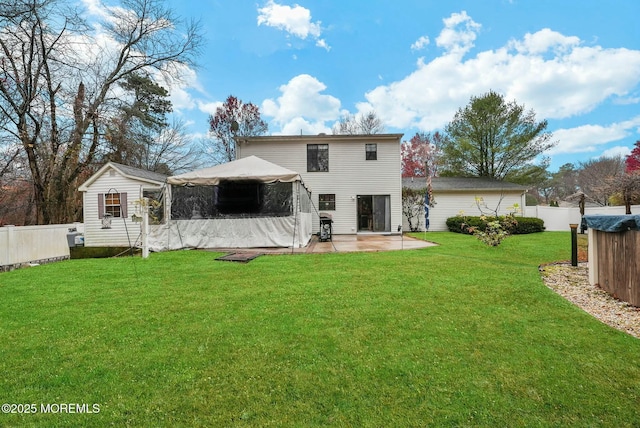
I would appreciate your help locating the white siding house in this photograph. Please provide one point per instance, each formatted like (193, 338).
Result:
(109, 200)
(354, 178)
(471, 196)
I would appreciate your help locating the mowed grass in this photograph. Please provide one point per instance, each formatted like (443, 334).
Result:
(455, 335)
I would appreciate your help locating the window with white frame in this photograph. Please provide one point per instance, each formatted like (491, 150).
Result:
(327, 202)
(112, 205)
(371, 151)
(317, 157)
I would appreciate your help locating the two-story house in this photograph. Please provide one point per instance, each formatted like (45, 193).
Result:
(354, 178)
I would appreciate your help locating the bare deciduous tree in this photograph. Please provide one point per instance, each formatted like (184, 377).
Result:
(594, 173)
(58, 80)
(366, 124)
(625, 187)
(172, 151)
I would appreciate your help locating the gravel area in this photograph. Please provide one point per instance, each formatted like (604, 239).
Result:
(572, 283)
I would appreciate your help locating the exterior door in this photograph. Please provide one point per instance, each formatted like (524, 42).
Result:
(374, 213)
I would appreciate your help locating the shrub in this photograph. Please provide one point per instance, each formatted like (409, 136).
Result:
(495, 231)
(528, 225)
(460, 224)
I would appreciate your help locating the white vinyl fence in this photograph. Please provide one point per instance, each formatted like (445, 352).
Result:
(20, 245)
(559, 218)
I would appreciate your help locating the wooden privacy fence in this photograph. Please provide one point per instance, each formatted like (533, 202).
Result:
(614, 255)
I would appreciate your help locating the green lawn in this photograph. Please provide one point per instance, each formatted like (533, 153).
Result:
(455, 335)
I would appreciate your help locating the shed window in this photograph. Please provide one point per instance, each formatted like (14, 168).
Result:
(317, 157)
(113, 204)
(327, 202)
(371, 151)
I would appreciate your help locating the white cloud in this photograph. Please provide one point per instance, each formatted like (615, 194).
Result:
(302, 106)
(321, 43)
(294, 20)
(180, 84)
(622, 151)
(300, 126)
(458, 34)
(588, 138)
(209, 108)
(95, 8)
(420, 44)
(544, 40)
(553, 74)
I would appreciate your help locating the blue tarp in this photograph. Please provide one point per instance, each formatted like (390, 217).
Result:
(613, 223)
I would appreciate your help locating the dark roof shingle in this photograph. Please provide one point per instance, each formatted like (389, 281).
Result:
(140, 173)
(451, 184)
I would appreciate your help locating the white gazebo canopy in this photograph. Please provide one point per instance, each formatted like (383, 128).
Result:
(251, 168)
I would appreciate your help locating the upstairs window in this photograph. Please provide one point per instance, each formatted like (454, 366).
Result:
(317, 158)
(371, 151)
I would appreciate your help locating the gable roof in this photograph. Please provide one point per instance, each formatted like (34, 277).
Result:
(250, 168)
(461, 184)
(126, 171)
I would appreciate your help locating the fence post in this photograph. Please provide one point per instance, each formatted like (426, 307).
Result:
(12, 250)
(145, 228)
(593, 255)
(574, 244)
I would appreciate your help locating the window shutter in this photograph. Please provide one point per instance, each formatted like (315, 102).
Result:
(100, 205)
(123, 205)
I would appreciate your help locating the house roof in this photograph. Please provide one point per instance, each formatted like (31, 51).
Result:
(249, 168)
(127, 171)
(461, 184)
(322, 138)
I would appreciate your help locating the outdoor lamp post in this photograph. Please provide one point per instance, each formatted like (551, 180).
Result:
(574, 244)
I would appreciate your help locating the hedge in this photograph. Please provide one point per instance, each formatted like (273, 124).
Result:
(525, 225)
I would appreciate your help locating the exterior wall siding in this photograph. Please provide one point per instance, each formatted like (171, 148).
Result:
(452, 203)
(349, 176)
(124, 231)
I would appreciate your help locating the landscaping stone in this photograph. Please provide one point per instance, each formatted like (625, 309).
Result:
(572, 283)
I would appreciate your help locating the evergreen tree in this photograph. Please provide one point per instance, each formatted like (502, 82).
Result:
(495, 139)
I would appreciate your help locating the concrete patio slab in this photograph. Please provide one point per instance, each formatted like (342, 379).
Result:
(368, 242)
(344, 244)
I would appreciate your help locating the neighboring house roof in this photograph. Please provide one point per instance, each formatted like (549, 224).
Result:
(461, 184)
(127, 171)
(249, 168)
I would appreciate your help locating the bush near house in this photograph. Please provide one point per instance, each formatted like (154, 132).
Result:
(461, 224)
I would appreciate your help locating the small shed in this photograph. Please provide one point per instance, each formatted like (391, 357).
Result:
(469, 195)
(109, 200)
(246, 203)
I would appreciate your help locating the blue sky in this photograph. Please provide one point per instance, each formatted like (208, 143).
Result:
(576, 63)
